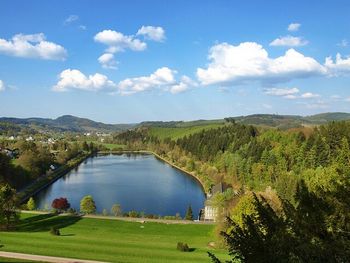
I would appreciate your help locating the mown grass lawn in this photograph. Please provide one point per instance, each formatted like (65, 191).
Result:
(109, 240)
(8, 260)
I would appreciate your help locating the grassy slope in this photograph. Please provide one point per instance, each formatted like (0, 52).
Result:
(109, 240)
(179, 132)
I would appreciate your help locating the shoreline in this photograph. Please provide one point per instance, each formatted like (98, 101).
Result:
(162, 159)
(27, 192)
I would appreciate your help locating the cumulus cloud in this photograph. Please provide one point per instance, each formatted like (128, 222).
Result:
(185, 84)
(74, 79)
(339, 66)
(32, 46)
(118, 42)
(107, 61)
(293, 27)
(289, 41)
(2, 85)
(249, 61)
(163, 79)
(152, 33)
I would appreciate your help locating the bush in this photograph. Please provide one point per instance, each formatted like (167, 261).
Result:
(183, 247)
(55, 231)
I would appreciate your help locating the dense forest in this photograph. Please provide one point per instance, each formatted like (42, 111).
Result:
(296, 179)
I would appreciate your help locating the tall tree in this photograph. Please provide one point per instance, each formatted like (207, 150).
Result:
(9, 215)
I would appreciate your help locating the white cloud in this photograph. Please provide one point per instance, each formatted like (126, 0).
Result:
(107, 61)
(32, 46)
(74, 79)
(343, 43)
(294, 27)
(118, 42)
(281, 91)
(82, 27)
(70, 19)
(2, 85)
(290, 93)
(161, 78)
(185, 84)
(152, 33)
(338, 66)
(289, 41)
(309, 95)
(249, 61)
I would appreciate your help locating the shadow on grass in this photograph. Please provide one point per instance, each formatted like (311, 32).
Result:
(41, 223)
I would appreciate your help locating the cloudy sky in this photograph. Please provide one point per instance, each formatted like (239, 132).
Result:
(131, 61)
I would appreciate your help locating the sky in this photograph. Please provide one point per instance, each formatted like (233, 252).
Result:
(132, 61)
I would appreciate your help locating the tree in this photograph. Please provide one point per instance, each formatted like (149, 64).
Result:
(189, 214)
(31, 204)
(8, 207)
(116, 210)
(296, 234)
(87, 205)
(60, 204)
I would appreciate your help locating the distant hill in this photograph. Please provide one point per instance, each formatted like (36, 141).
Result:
(291, 121)
(76, 124)
(66, 123)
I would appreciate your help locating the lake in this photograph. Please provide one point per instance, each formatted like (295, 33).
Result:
(138, 182)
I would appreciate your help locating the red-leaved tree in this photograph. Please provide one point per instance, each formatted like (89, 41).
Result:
(60, 204)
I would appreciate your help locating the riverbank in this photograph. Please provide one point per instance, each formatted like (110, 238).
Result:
(46, 180)
(162, 159)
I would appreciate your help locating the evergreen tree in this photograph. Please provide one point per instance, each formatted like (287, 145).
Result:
(189, 214)
(31, 204)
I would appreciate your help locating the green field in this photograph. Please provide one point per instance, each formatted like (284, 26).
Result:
(8, 260)
(109, 240)
(179, 132)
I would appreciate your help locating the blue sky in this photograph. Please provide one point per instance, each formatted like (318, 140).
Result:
(131, 61)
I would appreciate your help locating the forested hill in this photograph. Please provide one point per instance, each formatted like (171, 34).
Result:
(76, 124)
(63, 123)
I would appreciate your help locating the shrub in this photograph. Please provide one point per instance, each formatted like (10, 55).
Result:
(133, 213)
(55, 231)
(183, 247)
(87, 205)
(60, 204)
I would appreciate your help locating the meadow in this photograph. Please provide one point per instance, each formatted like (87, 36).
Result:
(109, 240)
(175, 133)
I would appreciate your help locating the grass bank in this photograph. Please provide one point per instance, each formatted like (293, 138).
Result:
(109, 240)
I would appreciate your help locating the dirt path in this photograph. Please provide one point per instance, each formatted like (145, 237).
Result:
(45, 258)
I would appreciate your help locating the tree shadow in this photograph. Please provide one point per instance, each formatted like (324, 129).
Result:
(41, 223)
(191, 249)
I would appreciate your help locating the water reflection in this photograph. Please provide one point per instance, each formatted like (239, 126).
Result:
(135, 181)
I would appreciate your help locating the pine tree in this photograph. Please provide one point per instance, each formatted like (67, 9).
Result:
(31, 204)
(189, 214)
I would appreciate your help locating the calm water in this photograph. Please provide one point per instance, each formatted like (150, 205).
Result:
(138, 182)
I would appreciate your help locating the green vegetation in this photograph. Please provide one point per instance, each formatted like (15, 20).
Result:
(180, 132)
(31, 204)
(10, 260)
(87, 205)
(109, 240)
